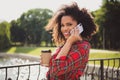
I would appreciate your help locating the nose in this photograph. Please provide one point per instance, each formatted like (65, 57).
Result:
(66, 28)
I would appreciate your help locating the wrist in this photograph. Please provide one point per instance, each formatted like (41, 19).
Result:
(80, 39)
(69, 42)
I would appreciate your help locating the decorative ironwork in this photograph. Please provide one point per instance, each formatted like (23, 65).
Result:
(97, 69)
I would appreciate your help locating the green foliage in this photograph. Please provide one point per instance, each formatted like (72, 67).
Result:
(111, 24)
(4, 35)
(33, 23)
(29, 28)
(17, 33)
(108, 19)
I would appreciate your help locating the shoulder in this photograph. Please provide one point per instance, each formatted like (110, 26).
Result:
(81, 45)
(56, 50)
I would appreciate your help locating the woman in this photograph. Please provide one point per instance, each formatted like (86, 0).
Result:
(69, 60)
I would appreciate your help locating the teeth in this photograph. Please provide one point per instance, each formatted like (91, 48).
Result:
(66, 33)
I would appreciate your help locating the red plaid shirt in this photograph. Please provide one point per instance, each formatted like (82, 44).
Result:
(72, 66)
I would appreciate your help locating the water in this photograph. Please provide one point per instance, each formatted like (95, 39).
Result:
(24, 71)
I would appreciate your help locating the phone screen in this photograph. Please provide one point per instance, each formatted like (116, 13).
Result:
(80, 27)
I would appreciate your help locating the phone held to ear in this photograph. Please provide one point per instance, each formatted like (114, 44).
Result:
(80, 27)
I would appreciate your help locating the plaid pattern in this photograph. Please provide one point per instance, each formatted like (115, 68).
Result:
(72, 66)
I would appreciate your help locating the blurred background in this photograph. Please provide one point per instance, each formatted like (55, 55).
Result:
(22, 23)
(22, 37)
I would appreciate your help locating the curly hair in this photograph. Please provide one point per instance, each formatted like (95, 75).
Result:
(80, 15)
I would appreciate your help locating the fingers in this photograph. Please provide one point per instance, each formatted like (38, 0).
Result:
(71, 32)
(75, 31)
(40, 59)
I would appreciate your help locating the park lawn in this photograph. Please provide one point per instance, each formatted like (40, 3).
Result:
(36, 51)
(94, 53)
(103, 54)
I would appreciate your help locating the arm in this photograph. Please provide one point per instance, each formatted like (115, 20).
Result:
(65, 49)
(72, 39)
(64, 64)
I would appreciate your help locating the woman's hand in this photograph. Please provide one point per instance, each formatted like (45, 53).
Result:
(75, 36)
(42, 63)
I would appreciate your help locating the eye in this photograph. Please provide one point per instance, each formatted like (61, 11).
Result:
(69, 24)
(62, 25)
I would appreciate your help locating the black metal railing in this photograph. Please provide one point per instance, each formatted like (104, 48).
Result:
(28, 66)
(103, 69)
(97, 69)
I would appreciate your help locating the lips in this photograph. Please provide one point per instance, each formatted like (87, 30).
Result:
(66, 34)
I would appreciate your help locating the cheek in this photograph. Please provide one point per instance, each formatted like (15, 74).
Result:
(62, 29)
(71, 28)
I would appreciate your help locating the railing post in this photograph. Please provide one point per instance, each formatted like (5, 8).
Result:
(102, 69)
(6, 73)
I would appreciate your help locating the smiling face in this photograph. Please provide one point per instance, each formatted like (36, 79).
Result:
(67, 24)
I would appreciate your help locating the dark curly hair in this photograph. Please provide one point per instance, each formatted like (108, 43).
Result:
(80, 15)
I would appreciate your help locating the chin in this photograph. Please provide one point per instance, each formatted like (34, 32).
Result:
(66, 38)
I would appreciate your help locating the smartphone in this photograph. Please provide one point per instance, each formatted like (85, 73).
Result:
(80, 27)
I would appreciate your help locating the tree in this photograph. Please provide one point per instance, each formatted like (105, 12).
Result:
(4, 35)
(17, 33)
(33, 22)
(108, 19)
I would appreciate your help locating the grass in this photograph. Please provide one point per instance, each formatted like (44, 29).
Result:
(36, 51)
(94, 53)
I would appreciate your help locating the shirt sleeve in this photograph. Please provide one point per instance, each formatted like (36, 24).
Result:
(76, 58)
